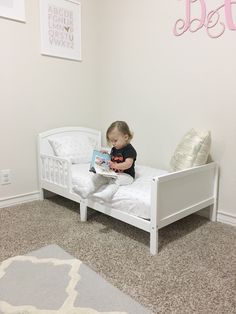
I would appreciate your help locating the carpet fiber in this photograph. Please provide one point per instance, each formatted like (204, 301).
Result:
(49, 280)
(194, 271)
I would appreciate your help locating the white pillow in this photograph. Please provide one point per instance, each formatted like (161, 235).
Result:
(77, 149)
(193, 150)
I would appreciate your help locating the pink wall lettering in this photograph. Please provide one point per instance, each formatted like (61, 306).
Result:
(214, 21)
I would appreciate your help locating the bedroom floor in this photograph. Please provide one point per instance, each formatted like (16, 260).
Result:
(194, 271)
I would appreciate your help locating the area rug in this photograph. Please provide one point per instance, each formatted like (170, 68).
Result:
(49, 280)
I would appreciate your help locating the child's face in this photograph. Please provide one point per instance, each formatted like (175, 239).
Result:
(118, 139)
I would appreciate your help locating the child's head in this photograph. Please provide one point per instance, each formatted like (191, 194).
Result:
(118, 134)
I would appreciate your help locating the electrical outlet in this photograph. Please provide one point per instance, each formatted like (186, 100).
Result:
(5, 176)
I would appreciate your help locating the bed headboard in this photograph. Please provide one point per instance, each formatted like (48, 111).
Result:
(45, 148)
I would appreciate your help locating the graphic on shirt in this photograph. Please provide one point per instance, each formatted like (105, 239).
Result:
(118, 158)
(120, 155)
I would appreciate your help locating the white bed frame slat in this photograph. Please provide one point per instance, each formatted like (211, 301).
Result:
(173, 195)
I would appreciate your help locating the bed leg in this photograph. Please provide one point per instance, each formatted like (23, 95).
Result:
(213, 207)
(212, 213)
(83, 212)
(154, 241)
(41, 194)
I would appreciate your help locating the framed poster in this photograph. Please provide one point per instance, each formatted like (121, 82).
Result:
(60, 24)
(13, 9)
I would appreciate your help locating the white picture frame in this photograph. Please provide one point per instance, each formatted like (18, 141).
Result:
(13, 9)
(60, 26)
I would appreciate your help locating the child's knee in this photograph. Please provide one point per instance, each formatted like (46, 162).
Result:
(124, 179)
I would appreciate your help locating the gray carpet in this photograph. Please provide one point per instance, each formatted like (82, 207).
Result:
(194, 272)
(50, 281)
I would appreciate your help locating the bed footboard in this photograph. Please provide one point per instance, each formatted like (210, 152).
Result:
(179, 194)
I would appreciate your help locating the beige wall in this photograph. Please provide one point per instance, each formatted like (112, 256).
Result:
(39, 93)
(133, 68)
(163, 85)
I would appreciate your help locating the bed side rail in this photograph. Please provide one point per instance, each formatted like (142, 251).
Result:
(178, 194)
(55, 170)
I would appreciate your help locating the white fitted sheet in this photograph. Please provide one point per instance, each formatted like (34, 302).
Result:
(134, 199)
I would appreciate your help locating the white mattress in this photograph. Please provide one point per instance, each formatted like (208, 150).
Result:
(134, 199)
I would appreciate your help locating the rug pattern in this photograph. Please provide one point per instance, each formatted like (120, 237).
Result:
(49, 281)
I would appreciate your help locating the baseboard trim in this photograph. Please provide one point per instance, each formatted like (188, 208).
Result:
(35, 196)
(19, 199)
(226, 218)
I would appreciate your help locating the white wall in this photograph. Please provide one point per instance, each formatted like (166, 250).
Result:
(163, 85)
(38, 93)
(133, 68)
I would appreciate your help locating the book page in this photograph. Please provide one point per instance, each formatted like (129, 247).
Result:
(100, 164)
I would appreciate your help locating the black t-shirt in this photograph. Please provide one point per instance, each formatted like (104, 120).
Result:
(120, 155)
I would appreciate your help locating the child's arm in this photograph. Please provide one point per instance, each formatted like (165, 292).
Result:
(122, 165)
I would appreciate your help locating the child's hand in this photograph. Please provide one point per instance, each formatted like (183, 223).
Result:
(104, 151)
(113, 165)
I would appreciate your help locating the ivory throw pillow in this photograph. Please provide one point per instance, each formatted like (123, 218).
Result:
(77, 149)
(193, 150)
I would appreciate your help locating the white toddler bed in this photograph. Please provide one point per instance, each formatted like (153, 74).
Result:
(156, 199)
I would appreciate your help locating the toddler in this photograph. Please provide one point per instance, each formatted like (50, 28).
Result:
(123, 156)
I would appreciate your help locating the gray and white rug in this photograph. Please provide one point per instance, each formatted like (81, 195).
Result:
(49, 280)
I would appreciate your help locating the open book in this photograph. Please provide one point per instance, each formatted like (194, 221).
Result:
(100, 164)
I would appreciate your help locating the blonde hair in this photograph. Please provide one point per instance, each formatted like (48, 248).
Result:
(122, 127)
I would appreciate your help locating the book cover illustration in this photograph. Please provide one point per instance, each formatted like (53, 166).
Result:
(100, 164)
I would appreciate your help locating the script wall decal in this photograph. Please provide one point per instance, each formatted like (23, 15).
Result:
(215, 21)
